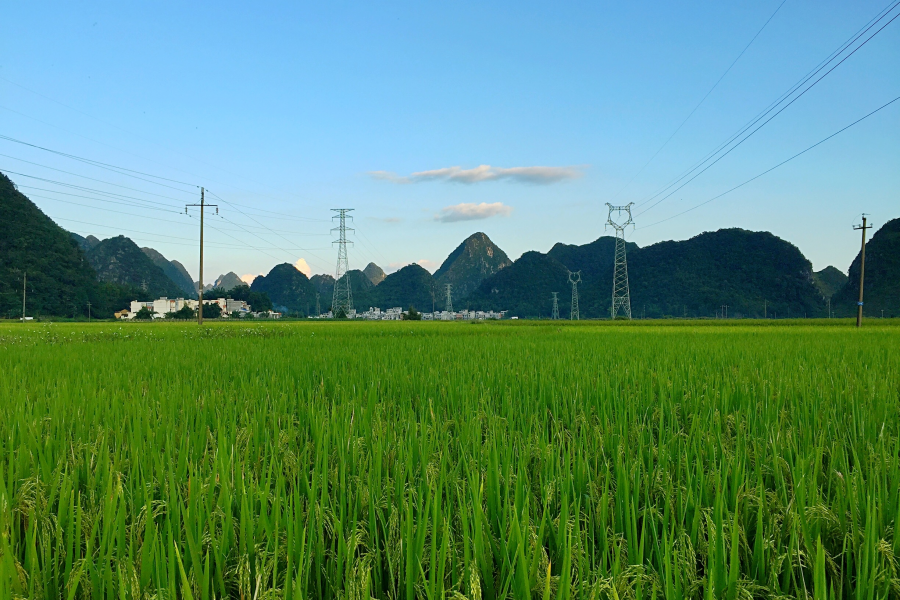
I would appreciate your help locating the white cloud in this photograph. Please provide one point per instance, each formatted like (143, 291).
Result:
(533, 175)
(472, 212)
(388, 176)
(428, 264)
(302, 266)
(249, 277)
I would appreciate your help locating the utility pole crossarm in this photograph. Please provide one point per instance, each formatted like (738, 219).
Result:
(202, 206)
(862, 268)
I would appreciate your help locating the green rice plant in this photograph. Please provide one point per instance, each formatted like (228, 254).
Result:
(437, 460)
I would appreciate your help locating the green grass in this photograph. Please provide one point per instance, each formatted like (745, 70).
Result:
(445, 460)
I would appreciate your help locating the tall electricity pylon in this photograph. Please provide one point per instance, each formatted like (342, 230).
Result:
(343, 296)
(449, 297)
(555, 313)
(574, 279)
(621, 298)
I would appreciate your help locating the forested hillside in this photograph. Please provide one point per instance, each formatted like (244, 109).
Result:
(882, 281)
(753, 273)
(60, 280)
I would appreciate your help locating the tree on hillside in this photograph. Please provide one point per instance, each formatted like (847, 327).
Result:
(212, 311)
(185, 312)
(258, 301)
(145, 314)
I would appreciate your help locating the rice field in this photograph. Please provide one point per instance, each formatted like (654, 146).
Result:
(449, 460)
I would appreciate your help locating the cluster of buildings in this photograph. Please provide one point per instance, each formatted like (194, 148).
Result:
(373, 314)
(376, 314)
(160, 307)
(397, 314)
(463, 315)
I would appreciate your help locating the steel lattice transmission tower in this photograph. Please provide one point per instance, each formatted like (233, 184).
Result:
(621, 297)
(343, 296)
(555, 312)
(574, 279)
(449, 297)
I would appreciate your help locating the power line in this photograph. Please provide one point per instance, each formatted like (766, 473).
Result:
(255, 221)
(241, 244)
(86, 189)
(90, 198)
(125, 171)
(715, 85)
(134, 206)
(776, 166)
(131, 153)
(216, 244)
(102, 165)
(373, 246)
(770, 109)
(90, 178)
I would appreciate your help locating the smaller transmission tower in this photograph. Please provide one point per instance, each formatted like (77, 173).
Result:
(574, 279)
(449, 287)
(621, 298)
(318, 308)
(342, 301)
(554, 315)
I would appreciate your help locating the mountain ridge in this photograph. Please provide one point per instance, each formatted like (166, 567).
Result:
(119, 260)
(470, 263)
(174, 270)
(882, 280)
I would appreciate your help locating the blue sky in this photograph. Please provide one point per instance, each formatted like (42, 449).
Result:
(430, 120)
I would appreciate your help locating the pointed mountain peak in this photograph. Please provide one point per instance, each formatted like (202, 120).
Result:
(475, 259)
(229, 281)
(375, 273)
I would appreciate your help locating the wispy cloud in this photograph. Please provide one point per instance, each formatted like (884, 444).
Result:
(472, 212)
(428, 264)
(532, 175)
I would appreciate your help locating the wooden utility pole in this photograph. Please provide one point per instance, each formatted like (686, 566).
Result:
(766, 308)
(862, 269)
(202, 205)
(89, 312)
(24, 285)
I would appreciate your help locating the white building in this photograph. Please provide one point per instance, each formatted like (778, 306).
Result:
(236, 306)
(376, 314)
(268, 314)
(463, 315)
(162, 306)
